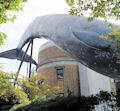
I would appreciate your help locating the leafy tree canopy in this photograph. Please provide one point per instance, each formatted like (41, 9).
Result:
(6, 6)
(107, 9)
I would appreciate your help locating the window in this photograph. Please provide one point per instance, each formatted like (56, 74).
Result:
(59, 73)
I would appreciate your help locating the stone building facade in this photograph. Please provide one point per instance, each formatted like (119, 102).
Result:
(72, 77)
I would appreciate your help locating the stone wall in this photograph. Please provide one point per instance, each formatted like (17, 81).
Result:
(69, 82)
(49, 58)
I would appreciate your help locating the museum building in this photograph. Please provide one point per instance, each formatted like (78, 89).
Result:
(73, 78)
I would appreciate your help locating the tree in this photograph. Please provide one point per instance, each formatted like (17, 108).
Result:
(6, 6)
(25, 91)
(35, 88)
(106, 9)
(9, 94)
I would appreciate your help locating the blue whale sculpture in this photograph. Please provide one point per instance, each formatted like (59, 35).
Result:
(77, 37)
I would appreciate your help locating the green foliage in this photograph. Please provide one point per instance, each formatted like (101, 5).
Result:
(114, 37)
(71, 103)
(107, 9)
(9, 94)
(6, 7)
(35, 90)
(24, 91)
(2, 37)
(62, 104)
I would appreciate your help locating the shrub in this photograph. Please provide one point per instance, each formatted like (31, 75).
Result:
(9, 94)
(62, 104)
(35, 90)
(104, 99)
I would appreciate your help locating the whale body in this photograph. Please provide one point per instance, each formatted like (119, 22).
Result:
(77, 37)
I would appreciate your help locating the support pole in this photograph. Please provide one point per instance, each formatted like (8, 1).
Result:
(23, 58)
(31, 58)
(21, 63)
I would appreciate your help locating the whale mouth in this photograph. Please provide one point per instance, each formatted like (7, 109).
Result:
(91, 40)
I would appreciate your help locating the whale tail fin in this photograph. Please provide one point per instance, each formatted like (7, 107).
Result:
(15, 54)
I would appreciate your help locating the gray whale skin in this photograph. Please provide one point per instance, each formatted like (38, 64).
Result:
(77, 37)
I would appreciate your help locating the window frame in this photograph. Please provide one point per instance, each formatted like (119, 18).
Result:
(62, 74)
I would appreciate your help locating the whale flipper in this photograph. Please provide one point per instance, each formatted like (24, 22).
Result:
(91, 39)
(15, 54)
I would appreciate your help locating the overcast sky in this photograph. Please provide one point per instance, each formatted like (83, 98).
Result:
(31, 10)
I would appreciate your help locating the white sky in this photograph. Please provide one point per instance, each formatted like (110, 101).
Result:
(31, 10)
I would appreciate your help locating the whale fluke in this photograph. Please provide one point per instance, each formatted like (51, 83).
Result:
(15, 54)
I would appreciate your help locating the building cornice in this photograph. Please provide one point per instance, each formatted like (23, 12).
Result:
(57, 62)
(57, 59)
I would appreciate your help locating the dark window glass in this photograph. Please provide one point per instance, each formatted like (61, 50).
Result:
(59, 73)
